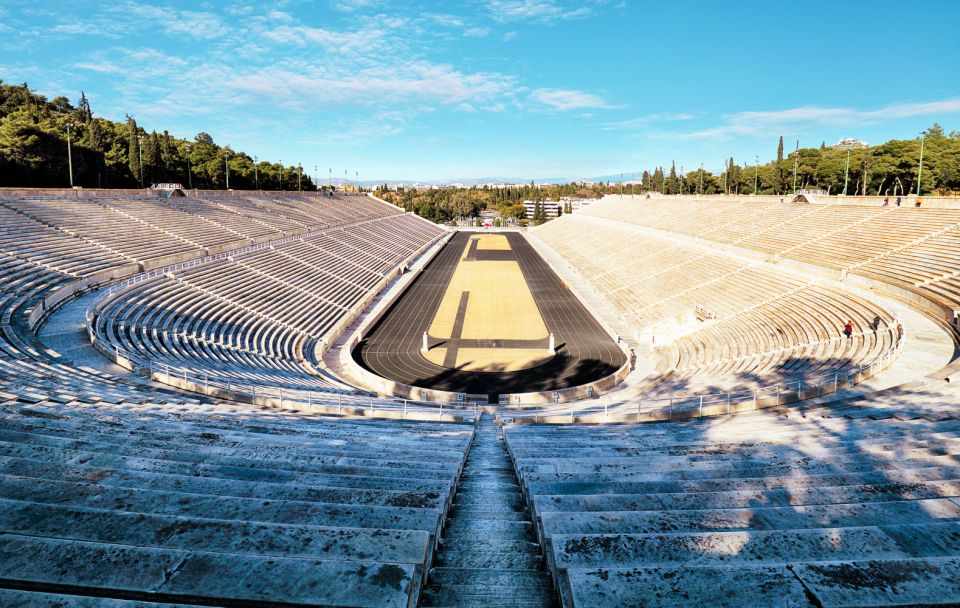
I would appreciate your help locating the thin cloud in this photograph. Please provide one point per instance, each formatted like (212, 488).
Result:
(793, 119)
(565, 99)
(537, 11)
(100, 67)
(648, 120)
(352, 6)
(476, 32)
(421, 81)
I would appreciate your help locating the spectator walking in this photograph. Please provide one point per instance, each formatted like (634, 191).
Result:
(848, 329)
(876, 323)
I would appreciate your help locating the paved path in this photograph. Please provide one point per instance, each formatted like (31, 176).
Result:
(65, 332)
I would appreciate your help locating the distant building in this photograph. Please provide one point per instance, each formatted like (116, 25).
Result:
(550, 208)
(850, 144)
(576, 203)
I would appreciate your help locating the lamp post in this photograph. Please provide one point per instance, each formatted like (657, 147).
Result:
(226, 165)
(329, 178)
(316, 177)
(256, 178)
(186, 147)
(140, 157)
(69, 156)
(299, 172)
(756, 172)
(701, 179)
(281, 176)
(920, 170)
(846, 173)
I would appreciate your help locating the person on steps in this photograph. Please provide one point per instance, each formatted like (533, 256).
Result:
(848, 329)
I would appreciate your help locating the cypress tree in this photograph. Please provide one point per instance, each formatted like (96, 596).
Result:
(83, 108)
(673, 184)
(151, 159)
(781, 186)
(133, 148)
(168, 157)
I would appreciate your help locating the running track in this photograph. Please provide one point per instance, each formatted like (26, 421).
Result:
(584, 350)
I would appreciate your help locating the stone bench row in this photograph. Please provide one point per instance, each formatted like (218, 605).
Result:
(351, 509)
(709, 502)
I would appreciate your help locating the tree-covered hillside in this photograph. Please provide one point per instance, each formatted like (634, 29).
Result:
(107, 154)
(886, 169)
(33, 153)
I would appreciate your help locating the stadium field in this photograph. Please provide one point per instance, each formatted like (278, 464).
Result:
(489, 303)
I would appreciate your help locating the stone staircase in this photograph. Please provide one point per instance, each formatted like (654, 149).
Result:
(489, 555)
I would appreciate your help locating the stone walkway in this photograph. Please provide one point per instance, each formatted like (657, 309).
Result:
(489, 554)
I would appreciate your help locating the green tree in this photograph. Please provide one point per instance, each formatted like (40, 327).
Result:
(133, 150)
(83, 109)
(673, 183)
(781, 184)
(19, 148)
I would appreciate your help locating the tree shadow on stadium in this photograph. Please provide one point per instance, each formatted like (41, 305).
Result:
(562, 371)
(803, 489)
(793, 375)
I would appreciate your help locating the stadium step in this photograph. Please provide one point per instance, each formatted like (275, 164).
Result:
(29, 599)
(488, 555)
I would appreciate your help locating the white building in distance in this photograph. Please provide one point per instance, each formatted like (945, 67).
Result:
(550, 208)
(850, 144)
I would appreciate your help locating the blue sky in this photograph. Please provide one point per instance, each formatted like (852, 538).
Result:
(514, 88)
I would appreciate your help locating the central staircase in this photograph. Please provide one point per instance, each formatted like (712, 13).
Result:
(489, 554)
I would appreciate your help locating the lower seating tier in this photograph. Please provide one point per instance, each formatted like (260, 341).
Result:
(857, 506)
(150, 504)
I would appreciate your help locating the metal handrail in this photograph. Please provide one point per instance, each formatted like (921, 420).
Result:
(847, 376)
(253, 391)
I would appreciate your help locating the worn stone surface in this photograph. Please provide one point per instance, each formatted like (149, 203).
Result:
(148, 505)
(682, 587)
(33, 599)
(151, 572)
(863, 510)
(722, 548)
(220, 507)
(215, 535)
(736, 499)
(760, 518)
(108, 476)
(927, 582)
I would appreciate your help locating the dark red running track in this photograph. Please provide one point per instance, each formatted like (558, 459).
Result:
(584, 350)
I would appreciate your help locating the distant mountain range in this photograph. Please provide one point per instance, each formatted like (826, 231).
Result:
(477, 181)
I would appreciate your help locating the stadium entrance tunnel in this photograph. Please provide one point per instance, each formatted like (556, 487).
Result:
(489, 317)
